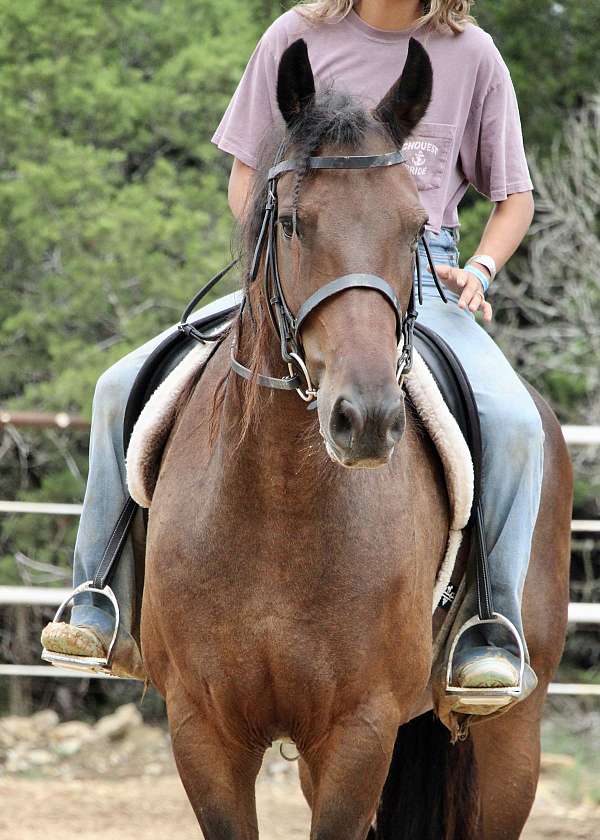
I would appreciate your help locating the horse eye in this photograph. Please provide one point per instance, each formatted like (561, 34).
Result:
(287, 226)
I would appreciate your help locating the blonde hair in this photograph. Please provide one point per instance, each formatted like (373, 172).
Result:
(440, 13)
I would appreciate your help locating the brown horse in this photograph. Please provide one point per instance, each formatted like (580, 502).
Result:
(289, 596)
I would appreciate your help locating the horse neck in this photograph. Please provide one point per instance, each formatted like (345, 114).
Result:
(278, 485)
(282, 455)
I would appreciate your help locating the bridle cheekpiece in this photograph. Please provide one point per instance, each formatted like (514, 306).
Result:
(287, 325)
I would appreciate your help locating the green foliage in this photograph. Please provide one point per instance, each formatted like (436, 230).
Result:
(113, 201)
(113, 207)
(552, 51)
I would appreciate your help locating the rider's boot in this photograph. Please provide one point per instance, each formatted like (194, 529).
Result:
(70, 640)
(87, 649)
(99, 635)
(489, 666)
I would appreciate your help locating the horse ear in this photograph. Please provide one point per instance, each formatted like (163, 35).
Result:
(295, 81)
(406, 102)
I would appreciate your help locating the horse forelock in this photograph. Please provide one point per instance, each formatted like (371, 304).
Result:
(335, 119)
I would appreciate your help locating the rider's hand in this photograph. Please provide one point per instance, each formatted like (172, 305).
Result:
(466, 285)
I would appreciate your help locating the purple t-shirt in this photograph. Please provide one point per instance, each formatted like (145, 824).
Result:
(471, 133)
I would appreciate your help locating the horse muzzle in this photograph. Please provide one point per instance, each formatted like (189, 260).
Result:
(361, 433)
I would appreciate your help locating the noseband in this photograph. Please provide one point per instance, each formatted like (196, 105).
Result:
(287, 325)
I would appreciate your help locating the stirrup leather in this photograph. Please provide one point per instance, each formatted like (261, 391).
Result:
(98, 664)
(501, 696)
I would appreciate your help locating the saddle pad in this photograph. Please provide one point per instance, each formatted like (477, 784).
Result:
(153, 428)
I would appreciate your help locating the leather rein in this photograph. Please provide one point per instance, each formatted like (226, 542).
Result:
(286, 325)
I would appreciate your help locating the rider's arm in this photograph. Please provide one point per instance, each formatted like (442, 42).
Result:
(508, 223)
(240, 187)
(506, 227)
(492, 158)
(250, 116)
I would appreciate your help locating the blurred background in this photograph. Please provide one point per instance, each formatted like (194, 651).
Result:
(113, 211)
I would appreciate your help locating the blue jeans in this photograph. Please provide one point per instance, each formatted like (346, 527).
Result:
(512, 455)
(511, 431)
(106, 490)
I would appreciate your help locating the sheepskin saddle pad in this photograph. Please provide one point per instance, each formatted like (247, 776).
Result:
(154, 424)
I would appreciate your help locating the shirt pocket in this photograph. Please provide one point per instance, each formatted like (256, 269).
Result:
(427, 152)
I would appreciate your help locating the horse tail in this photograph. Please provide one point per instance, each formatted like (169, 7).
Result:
(431, 791)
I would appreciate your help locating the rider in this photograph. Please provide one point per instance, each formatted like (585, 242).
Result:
(471, 135)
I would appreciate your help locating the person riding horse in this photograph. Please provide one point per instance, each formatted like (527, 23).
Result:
(470, 135)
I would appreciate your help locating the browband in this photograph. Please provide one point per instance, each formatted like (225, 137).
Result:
(338, 162)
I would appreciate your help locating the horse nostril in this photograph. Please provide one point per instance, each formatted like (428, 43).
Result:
(397, 424)
(368, 434)
(346, 422)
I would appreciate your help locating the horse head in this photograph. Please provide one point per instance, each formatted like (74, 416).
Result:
(339, 223)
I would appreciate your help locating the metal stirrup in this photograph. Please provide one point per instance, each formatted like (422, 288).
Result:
(486, 696)
(86, 663)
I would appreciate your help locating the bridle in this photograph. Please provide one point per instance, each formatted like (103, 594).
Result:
(287, 326)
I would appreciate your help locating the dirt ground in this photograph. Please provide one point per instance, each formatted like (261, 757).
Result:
(116, 778)
(157, 809)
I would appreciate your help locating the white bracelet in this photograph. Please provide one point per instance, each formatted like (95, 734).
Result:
(487, 262)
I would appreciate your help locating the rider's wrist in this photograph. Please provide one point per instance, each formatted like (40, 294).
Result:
(481, 276)
(486, 263)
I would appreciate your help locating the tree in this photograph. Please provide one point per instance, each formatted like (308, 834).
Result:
(551, 49)
(549, 302)
(113, 207)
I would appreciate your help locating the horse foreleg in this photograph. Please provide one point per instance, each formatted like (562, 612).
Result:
(347, 774)
(305, 781)
(507, 751)
(218, 776)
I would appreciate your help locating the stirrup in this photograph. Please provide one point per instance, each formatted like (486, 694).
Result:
(499, 697)
(96, 664)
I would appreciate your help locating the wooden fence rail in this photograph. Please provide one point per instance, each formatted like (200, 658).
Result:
(21, 596)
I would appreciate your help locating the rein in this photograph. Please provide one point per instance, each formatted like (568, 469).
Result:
(286, 325)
